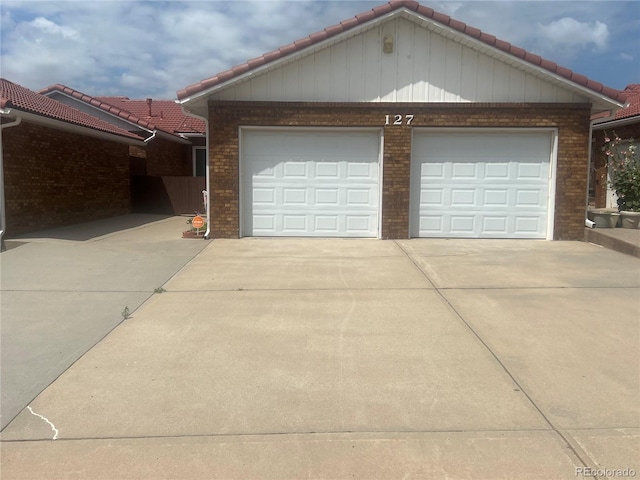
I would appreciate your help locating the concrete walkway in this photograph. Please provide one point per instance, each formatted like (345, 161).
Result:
(64, 289)
(367, 359)
(623, 240)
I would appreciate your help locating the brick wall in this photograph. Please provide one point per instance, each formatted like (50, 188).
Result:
(599, 174)
(571, 120)
(165, 158)
(54, 178)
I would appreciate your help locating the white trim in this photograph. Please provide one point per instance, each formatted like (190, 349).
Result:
(380, 182)
(240, 176)
(603, 124)
(553, 161)
(553, 166)
(302, 128)
(172, 137)
(255, 128)
(74, 128)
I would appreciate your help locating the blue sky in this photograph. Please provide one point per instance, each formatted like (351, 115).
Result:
(154, 48)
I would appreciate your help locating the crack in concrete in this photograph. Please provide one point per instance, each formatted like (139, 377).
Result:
(53, 427)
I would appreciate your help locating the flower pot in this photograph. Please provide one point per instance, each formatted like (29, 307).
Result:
(604, 218)
(630, 219)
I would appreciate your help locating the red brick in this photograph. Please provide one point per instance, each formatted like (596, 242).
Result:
(571, 120)
(54, 178)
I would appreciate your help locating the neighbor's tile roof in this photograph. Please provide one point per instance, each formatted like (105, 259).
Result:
(17, 97)
(166, 115)
(632, 93)
(128, 116)
(381, 11)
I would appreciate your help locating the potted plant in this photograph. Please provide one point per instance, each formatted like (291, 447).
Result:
(624, 177)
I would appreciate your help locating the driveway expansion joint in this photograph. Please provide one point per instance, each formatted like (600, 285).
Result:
(570, 443)
(378, 433)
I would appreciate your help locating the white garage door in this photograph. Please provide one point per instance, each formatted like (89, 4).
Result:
(310, 183)
(480, 184)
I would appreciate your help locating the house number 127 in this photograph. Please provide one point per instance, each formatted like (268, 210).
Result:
(398, 119)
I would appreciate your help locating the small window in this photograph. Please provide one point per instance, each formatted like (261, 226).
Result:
(199, 161)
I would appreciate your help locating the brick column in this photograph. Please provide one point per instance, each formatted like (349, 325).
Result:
(396, 180)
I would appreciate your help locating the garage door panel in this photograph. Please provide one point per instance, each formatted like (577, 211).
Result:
(494, 197)
(327, 197)
(496, 171)
(310, 183)
(295, 170)
(433, 170)
(327, 170)
(491, 185)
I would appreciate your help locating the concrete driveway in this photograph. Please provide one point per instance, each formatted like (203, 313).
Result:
(322, 358)
(64, 289)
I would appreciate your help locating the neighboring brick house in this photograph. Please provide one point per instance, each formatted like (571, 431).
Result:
(60, 165)
(174, 148)
(626, 124)
(174, 143)
(400, 122)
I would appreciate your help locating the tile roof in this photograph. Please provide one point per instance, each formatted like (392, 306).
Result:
(380, 11)
(166, 115)
(17, 97)
(632, 93)
(95, 102)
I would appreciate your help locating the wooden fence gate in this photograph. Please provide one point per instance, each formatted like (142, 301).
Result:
(167, 195)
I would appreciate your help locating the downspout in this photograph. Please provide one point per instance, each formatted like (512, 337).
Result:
(147, 140)
(588, 223)
(206, 173)
(3, 220)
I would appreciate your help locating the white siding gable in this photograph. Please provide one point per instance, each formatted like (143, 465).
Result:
(425, 66)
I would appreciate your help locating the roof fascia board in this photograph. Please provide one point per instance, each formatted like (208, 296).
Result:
(604, 123)
(137, 126)
(172, 138)
(295, 55)
(194, 135)
(73, 128)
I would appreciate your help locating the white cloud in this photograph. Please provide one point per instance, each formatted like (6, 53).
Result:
(142, 49)
(625, 57)
(569, 32)
(46, 26)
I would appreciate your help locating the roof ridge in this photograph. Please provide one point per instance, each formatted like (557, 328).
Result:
(381, 10)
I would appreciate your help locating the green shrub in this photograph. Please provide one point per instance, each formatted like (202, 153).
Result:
(624, 168)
